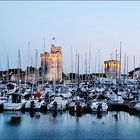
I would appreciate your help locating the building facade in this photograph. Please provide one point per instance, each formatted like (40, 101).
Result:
(112, 68)
(51, 64)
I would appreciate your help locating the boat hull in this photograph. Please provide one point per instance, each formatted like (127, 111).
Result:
(13, 106)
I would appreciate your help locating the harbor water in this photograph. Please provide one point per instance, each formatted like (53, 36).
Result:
(63, 125)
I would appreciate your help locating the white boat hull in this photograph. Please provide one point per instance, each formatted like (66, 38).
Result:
(13, 106)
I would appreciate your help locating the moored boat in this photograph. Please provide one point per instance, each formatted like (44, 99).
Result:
(15, 102)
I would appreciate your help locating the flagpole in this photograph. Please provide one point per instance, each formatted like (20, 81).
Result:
(53, 40)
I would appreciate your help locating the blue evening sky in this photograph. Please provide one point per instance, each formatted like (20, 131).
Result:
(99, 25)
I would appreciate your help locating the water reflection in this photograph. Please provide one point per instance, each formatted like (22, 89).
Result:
(12, 118)
(54, 114)
(137, 115)
(66, 125)
(32, 114)
(77, 114)
(99, 115)
(37, 115)
(115, 114)
(118, 115)
(15, 120)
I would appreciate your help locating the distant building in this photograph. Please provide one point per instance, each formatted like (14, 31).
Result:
(112, 68)
(31, 74)
(14, 75)
(51, 64)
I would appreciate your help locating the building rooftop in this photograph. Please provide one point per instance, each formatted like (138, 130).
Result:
(111, 61)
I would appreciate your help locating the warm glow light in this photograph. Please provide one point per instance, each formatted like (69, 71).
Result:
(111, 67)
(55, 57)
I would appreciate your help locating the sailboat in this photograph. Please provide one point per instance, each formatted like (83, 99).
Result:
(15, 101)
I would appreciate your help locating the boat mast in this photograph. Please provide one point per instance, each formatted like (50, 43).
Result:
(89, 64)
(28, 69)
(102, 75)
(78, 74)
(120, 60)
(82, 68)
(7, 68)
(31, 67)
(44, 63)
(127, 70)
(18, 67)
(54, 80)
(99, 63)
(25, 77)
(71, 65)
(124, 69)
(134, 73)
(134, 69)
(116, 67)
(76, 68)
(36, 64)
(54, 68)
(86, 66)
(127, 76)
(95, 65)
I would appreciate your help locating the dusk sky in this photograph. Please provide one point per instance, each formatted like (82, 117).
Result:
(80, 25)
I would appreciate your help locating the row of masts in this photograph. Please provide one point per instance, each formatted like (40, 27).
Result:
(86, 65)
(19, 65)
(30, 63)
